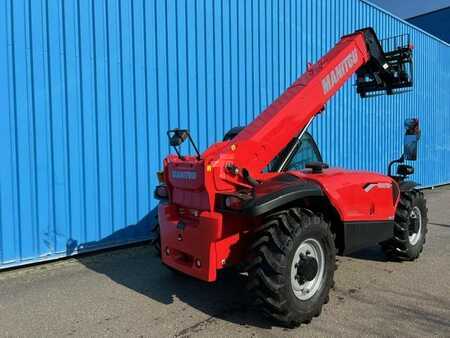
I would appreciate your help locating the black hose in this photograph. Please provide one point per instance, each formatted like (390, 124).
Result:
(253, 182)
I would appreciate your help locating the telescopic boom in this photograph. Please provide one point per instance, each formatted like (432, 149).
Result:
(361, 52)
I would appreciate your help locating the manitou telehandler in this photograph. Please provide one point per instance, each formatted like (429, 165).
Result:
(263, 199)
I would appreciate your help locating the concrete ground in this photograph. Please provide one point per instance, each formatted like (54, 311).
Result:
(128, 293)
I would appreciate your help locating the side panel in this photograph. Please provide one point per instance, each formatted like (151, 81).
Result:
(359, 235)
(357, 196)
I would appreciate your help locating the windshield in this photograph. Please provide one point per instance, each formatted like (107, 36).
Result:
(299, 152)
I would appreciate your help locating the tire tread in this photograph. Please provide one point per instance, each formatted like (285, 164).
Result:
(272, 243)
(399, 247)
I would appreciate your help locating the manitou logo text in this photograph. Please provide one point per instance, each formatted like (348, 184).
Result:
(184, 175)
(339, 72)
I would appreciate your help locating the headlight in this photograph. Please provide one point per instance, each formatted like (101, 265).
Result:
(161, 192)
(233, 202)
(160, 176)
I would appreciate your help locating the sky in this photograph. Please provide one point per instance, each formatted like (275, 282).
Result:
(408, 8)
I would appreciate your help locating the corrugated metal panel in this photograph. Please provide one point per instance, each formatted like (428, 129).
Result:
(435, 23)
(89, 88)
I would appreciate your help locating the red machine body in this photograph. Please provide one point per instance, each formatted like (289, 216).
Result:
(210, 240)
(198, 239)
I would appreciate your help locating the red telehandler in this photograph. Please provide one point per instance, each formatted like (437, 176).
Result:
(264, 200)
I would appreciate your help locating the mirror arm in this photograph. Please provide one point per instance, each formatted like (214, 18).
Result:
(400, 160)
(177, 137)
(195, 147)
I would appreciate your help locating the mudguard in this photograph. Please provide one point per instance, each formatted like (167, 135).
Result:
(280, 191)
(407, 186)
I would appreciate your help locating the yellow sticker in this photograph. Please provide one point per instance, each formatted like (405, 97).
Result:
(209, 168)
(233, 147)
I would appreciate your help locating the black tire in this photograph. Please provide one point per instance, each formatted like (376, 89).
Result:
(155, 242)
(270, 262)
(400, 246)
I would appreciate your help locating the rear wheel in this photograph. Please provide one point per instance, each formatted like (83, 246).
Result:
(410, 227)
(291, 266)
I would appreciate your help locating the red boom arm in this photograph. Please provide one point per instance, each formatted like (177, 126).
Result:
(263, 139)
(274, 128)
(256, 145)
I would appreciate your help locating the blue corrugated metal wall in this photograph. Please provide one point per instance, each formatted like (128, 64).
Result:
(436, 23)
(89, 88)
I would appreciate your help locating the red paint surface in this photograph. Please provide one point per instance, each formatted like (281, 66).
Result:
(211, 237)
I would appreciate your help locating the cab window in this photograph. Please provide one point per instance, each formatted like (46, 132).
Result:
(306, 152)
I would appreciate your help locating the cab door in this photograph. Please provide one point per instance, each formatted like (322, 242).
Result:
(306, 152)
(296, 155)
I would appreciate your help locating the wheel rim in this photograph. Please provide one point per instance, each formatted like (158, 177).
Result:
(307, 270)
(415, 229)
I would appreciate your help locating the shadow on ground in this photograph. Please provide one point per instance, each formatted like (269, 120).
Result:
(403, 313)
(370, 254)
(140, 270)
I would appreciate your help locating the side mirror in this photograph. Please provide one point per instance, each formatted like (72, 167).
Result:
(178, 137)
(405, 170)
(412, 136)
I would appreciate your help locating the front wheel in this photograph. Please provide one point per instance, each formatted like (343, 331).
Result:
(291, 265)
(410, 227)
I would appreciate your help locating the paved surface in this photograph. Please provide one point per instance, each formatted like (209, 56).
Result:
(128, 293)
